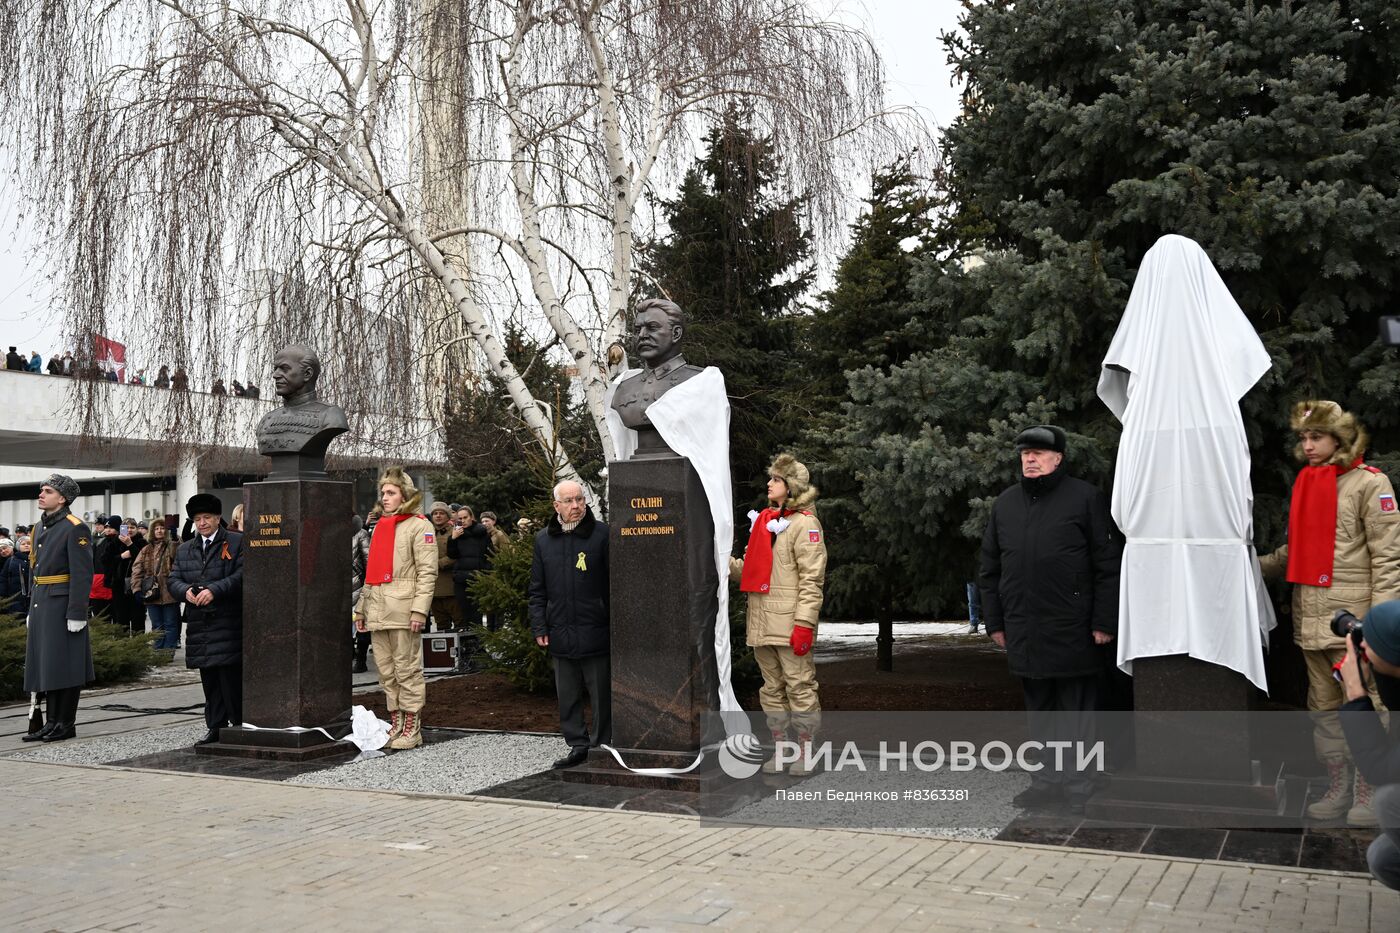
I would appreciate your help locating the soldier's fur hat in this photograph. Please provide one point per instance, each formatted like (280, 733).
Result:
(412, 498)
(1330, 418)
(801, 492)
(65, 486)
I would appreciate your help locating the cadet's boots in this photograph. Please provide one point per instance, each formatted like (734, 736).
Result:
(411, 736)
(395, 724)
(771, 766)
(1337, 798)
(803, 765)
(1361, 812)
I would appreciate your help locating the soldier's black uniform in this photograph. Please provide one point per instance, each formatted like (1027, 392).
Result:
(58, 662)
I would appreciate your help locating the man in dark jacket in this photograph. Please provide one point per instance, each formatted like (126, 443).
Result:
(128, 610)
(469, 547)
(569, 616)
(11, 580)
(1050, 562)
(106, 561)
(57, 651)
(14, 361)
(207, 576)
(14, 580)
(1376, 751)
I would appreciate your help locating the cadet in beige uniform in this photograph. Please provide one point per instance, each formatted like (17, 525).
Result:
(782, 573)
(1343, 552)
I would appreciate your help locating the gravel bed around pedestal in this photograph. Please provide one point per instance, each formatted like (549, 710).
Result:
(459, 766)
(101, 750)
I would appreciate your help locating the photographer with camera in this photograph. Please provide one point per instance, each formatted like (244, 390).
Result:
(1343, 552)
(1372, 665)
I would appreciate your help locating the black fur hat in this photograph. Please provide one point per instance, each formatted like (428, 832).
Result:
(1041, 437)
(203, 502)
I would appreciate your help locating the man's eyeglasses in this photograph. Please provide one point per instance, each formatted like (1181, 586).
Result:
(573, 500)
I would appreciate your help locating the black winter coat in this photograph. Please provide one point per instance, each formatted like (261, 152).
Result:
(1375, 751)
(12, 585)
(107, 560)
(214, 636)
(569, 588)
(1050, 562)
(470, 552)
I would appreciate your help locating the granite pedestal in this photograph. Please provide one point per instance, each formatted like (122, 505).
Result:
(1192, 719)
(664, 595)
(1195, 764)
(297, 650)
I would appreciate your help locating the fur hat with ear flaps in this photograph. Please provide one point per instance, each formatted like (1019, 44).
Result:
(801, 492)
(412, 498)
(1330, 418)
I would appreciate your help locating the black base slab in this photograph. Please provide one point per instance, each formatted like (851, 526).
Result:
(322, 749)
(194, 760)
(276, 745)
(553, 786)
(602, 768)
(1166, 801)
(207, 759)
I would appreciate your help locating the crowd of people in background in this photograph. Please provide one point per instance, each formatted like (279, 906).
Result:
(68, 365)
(131, 564)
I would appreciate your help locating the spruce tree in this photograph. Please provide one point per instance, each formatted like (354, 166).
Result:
(736, 260)
(1268, 134)
(860, 323)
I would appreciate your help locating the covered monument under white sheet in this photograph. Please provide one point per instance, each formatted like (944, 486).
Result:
(1182, 358)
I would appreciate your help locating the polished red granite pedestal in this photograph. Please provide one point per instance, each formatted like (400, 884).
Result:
(664, 586)
(297, 650)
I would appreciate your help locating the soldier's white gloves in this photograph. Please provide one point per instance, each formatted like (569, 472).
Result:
(77, 625)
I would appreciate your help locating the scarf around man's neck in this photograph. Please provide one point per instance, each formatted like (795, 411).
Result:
(1312, 523)
(758, 555)
(379, 568)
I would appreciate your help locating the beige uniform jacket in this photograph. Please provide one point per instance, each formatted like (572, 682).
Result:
(391, 605)
(794, 594)
(1366, 562)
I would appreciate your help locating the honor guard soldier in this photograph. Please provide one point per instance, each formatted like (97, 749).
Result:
(58, 652)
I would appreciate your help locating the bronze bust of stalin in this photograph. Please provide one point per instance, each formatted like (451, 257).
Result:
(658, 330)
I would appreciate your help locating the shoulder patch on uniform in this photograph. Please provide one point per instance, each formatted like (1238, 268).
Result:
(814, 536)
(82, 542)
(74, 519)
(1387, 502)
(1369, 468)
(429, 537)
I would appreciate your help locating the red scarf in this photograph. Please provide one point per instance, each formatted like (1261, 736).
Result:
(1312, 523)
(758, 556)
(379, 568)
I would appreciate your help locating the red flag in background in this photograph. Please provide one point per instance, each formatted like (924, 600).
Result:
(110, 356)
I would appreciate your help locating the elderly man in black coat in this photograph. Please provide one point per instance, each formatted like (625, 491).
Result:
(569, 617)
(58, 652)
(207, 576)
(1050, 563)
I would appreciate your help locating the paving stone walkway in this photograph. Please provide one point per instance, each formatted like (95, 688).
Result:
(93, 848)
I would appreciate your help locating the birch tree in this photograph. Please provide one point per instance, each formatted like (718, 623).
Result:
(396, 180)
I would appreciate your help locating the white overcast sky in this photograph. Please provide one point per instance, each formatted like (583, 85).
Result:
(905, 31)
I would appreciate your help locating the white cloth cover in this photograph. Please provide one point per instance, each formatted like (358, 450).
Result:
(1183, 357)
(367, 731)
(693, 420)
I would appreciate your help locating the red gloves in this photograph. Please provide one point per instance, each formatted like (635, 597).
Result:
(801, 640)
